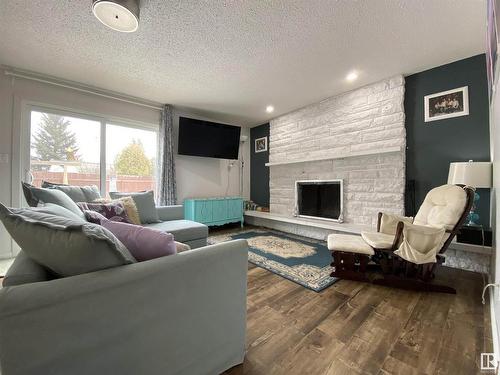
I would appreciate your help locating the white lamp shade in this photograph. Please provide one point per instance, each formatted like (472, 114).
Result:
(475, 174)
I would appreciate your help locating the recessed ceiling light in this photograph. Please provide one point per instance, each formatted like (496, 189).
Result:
(352, 76)
(119, 15)
(269, 109)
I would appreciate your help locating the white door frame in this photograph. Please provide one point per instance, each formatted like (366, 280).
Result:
(21, 148)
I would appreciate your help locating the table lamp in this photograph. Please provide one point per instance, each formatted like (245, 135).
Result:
(474, 174)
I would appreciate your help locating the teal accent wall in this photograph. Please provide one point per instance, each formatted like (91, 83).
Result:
(259, 173)
(431, 146)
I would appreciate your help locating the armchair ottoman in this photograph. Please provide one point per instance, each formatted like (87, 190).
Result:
(351, 256)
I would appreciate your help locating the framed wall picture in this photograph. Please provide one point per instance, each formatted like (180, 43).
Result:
(446, 104)
(261, 144)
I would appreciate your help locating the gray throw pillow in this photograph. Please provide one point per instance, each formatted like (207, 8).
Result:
(76, 193)
(64, 246)
(145, 204)
(25, 270)
(54, 209)
(56, 197)
(28, 194)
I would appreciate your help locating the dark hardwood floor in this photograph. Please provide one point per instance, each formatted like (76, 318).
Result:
(358, 328)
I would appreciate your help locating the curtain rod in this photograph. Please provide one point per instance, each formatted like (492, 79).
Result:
(81, 88)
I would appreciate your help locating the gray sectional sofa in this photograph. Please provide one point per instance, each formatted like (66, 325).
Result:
(182, 314)
(166, 218)
(186, 231)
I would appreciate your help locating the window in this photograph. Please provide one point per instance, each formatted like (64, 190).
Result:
(64, 149)
(68, 149)
(131, 158)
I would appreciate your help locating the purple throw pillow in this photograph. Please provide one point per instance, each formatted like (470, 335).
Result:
(143, 243)
(114, 211)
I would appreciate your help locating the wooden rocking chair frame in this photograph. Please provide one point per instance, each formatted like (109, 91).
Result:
(398, 272)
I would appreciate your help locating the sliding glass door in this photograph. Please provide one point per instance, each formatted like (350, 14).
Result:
(66, 148)
(131, 158)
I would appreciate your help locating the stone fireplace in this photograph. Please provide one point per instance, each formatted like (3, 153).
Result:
(357, 137)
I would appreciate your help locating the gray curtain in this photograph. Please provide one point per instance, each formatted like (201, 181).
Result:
(167, 192)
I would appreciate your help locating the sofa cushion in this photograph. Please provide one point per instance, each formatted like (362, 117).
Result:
(145, 205)
(195, 244)
(76, 193)
(43, 195)
(183, 230)
(25, 270)
(67, 247)
(144, 243)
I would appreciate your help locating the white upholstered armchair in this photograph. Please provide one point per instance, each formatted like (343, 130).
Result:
(408, 249)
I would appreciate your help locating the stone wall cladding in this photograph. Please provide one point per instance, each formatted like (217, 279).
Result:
(368, 119)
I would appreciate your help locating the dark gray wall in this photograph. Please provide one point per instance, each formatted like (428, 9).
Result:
(259, 173)
(431, 146)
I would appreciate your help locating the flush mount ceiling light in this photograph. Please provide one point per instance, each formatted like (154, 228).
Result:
(119, 15)
(269, 109)
(352, 76)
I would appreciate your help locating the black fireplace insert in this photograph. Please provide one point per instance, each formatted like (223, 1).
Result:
(320, 199)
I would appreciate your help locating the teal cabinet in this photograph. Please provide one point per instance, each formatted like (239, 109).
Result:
(214, 211)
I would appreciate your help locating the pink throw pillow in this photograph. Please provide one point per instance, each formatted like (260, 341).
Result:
(143, 243)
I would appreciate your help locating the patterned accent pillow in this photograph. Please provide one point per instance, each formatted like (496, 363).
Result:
(93, 217)
(114, 211)
(128, 204)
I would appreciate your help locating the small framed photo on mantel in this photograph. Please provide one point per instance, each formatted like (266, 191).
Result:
(261, 144)
(446, 104)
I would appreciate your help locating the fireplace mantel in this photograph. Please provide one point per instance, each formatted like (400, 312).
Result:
(339, 156)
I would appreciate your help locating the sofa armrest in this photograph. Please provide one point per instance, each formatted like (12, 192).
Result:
(182, 314)
(166, 213)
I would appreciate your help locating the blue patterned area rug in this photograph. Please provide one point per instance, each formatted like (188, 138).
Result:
(299, 259)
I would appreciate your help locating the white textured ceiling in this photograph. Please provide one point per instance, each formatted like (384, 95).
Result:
(233, 58)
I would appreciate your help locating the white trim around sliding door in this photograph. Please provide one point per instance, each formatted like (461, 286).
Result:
(21, 139)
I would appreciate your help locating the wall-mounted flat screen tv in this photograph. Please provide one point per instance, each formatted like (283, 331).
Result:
(208, 139)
